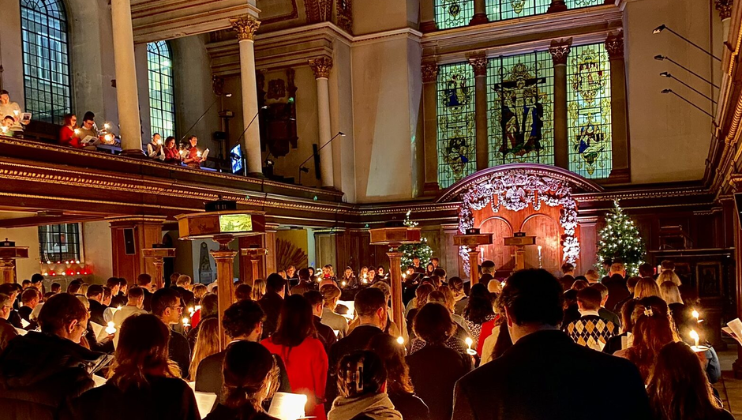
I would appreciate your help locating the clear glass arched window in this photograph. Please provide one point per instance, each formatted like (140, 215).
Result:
(46, 59)
(161, 96)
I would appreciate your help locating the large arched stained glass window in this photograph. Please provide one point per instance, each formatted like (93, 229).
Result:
(456, 123)
(453, 13)
(520, 101)
(161, 98)
(46, 60)
(589, 111)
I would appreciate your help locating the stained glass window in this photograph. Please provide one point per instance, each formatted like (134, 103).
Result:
(510, 9)
(520, 99)
(456, 123)
(578, 4)
(453, 13)
(46, 68)
(161, 98)
(589, 111)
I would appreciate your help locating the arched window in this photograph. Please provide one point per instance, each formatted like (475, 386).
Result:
(457, 134)
(46, 60)
(161, 99)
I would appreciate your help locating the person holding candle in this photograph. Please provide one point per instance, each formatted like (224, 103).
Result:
(12, 110)
(68, 134)
(193, 156)
(133, 307)
(436, 368)
(171, 152)
(679, 390)
(330, 295)
(167, 306)
(155, 149)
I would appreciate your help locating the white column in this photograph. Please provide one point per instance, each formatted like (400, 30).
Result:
(321, 68)
(127, 95)
(246, 27)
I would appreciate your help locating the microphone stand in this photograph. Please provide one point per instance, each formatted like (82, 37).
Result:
(302, 168)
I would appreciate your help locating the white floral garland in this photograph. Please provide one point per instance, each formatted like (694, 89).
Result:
(516, 190)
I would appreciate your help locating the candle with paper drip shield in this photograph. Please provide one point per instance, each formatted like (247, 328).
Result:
(696, 338)
(469, 350)
(111, 328)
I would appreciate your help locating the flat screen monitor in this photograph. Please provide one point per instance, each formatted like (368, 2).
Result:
(235, 156)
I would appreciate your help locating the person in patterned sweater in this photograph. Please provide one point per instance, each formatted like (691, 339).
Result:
(590, 330)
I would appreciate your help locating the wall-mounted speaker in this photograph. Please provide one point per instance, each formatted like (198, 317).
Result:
(129, 245)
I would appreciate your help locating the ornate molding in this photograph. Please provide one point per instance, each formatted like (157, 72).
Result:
(724, 7)
(478, 62)
(614, 44)
(559, 51)
(430, 72)
(344, 10)
(321, 67)
(245, 26)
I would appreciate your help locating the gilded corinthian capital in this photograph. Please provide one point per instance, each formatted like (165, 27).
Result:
(559, 50)
(321, 67)
(479, 64)
(245, 26)
(430, 72)
(614, 44)
(724, 7)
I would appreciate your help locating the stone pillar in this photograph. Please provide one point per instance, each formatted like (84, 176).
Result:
(557, 6)
(479, 64)
(430, 127)
(619, 111)
(724, 7)
(427, 16)
(127, 96)
(559, 51)
(480, 13)
(321, 67)
(246, 27)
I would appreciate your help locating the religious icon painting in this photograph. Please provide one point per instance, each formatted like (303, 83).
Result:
(520, 98)
(456, 123)
(589, 111)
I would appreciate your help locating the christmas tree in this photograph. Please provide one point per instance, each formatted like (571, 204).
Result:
(421, 250)
(620, 241)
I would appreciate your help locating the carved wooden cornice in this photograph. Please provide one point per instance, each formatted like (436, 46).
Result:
(245, 26)
(321, 67)
(559, 51)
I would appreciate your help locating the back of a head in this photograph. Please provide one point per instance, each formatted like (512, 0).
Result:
(199, 290)
(669, 275)
(275, 283)
(164, 298)
(209, 305)
(330, 293)
(456, 284)
(368, 301)
(95, 290)
(258, 289)
(670, 292)
(304, 274)
(314, 298)
(433, 323)
(247, 369)
(592, 276)
(142, 347)
(478, 310)
(5, 300)
(600, 287)
(437, 297)
(56, 287)
(678, 388)
(183, 280)
(645, 288)
(422, 293)
(361, 373)
(30, 294)
(295, 323)
(74, 287)
(7, 288)
(440, 273)
(392, 354)
(480, 290)
(136, 293)
(59, 311)
(667, 265)
(243, 291)
(568, 268)
(144, 280)
(652, 331)
(488, 267)
(533, 296)
(384, 288)
(617, 268)
(580, 284)
(589, 298)
(37, 278)
(241, 318)
(646, 270)
(631, 283)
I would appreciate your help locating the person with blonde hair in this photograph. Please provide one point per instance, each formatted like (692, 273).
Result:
(330, 296)
(592, 276)
(669, 275)
(207, 343)
(258, 290)
(646, 288)
(183, 286)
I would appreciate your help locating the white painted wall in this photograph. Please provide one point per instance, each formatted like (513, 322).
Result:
(97, 249)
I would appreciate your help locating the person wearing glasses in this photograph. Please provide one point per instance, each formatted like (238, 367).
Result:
(166, 305)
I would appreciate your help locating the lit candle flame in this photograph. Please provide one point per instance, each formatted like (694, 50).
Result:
(696, 315)
(694, 336)
(106, 126)
(400, 340)
(469, 342)
(186, 322)
(111, 329)
(198, 153)
(343, 283)
(118, 308)
(77, 131)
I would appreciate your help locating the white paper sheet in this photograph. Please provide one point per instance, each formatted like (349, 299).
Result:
(286, 406)
(204, 400)
(99, 380)
(21, 331)
(25, 323)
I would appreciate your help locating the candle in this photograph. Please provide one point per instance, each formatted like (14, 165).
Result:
(404, 276)
(400, 340)
(539, 250)
(106, 126)
(186, 322)
(110, 329)
(469, 342)
(118, 308)
(696, 315)
(343, 283)
(198, 153)
(77, 131)
(191, 310)
(694, 336)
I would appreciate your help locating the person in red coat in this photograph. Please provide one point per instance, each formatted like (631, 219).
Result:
(67, 135)
(296, 343)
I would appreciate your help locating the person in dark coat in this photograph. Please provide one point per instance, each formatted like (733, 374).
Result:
(540, 375)
(436, 368)
(30, 298)
(241, 322)
(158, 393)
(10, 289)
(617, 288)
(371, 310)
(568, 278)
(95, 296)
(42, 372)
(250, 375)
(119, 292)
(145, 282)
(305, 283)
(166, 306)
(325, 334)
(183, 286)
(271, 302)
(7, 331)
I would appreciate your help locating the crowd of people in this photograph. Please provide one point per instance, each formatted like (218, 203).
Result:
(531, 346)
